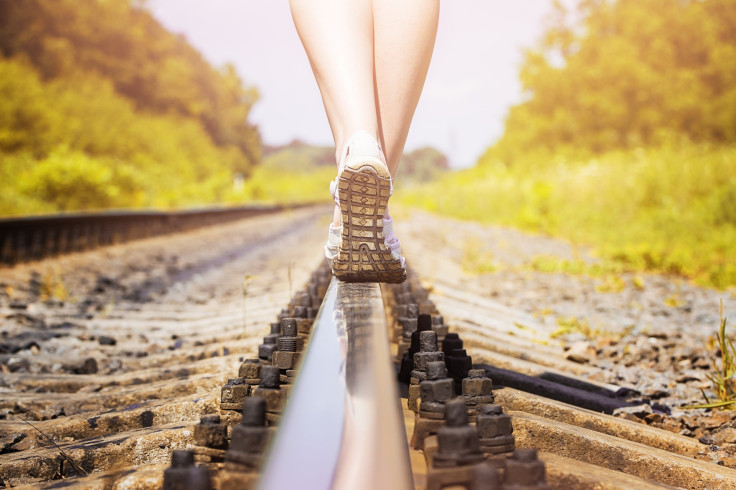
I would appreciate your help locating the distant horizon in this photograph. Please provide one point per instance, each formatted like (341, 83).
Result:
(472, 81)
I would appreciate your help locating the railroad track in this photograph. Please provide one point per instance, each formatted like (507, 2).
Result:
(120, 389)
(36, 237)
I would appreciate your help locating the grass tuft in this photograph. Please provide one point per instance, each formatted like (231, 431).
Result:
(723, 375)
(574, 325)
(475, 259)
(52, 286)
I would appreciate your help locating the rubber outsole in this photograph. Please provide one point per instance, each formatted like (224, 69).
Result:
(363, 255)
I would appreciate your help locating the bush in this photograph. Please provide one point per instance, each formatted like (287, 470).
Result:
(75, 143)
(667, 209)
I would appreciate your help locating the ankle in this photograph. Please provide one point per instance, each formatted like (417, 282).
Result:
(363, 142)
(336, 216)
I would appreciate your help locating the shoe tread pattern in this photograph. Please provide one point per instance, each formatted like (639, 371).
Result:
(363, 255)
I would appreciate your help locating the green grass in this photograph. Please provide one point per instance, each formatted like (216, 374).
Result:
(669, 210)
(475, 258)
(574, 325)
(277, 186)
(723, 374)
(292, 174)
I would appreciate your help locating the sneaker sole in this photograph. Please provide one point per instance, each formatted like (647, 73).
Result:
(363, 256)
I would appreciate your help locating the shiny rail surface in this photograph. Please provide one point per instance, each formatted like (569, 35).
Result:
(343, 426)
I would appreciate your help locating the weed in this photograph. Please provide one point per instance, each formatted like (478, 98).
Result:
(673, 300)
(574, 325)
(543, 312)
(76, 467)
(521, 326)
(52, 286)
(551, 264)
(576, 267)
(611, 283)
(723, 376)
(246, 282)
(476, 259)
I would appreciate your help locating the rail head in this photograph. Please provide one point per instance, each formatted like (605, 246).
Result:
(343, 425)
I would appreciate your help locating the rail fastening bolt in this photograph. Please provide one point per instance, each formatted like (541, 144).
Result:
(485, 477)
(412, 310)
(457, 441)
(182, 474)
(210, 432)
(428, 352)
(495, 430)
(250, 370)
(435, 391)
(452, 341)
(400, 311)
(477, 388)
(250, 437)
(269, 377)
(233, 394)
(428, 341)
(289, 327)
(408, 326)
(525, 470)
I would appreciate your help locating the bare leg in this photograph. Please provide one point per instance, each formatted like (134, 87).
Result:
(362, 89)
(404, 34)
(338, 38)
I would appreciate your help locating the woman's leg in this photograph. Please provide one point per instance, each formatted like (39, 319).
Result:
(370, 59)
(404, 32)
(338, 38)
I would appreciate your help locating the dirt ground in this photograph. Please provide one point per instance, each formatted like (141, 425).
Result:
(650, 333)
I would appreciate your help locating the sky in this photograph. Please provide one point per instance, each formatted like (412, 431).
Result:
(471, 84)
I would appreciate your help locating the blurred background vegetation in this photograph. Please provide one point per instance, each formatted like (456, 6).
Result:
(101, 107)
(626, 138)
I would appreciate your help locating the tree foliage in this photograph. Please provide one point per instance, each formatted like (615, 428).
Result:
(159, 71)
(423, 164)
(626, 140)
(101, 107)
(75, 143)
(612, 74)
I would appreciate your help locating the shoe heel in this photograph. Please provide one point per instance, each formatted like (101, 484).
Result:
(363, 254)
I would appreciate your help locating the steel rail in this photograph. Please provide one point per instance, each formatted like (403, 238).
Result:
(343, 425)
(36, 237)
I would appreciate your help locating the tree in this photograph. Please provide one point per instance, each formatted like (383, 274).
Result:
(122, 42)
(626, 73)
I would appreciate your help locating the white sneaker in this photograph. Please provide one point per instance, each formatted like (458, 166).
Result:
(364, 248)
